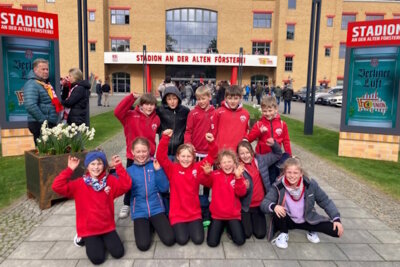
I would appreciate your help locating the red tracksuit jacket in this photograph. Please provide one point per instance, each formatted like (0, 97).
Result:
(280, 133)
(94, 210)
(197, 125)
(136, 124)
(226, 191)
(184, 183)
(229, 126)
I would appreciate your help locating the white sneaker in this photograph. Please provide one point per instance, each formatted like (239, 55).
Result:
(313, 237)
(281, 241)
(124, 212)
(78, 241)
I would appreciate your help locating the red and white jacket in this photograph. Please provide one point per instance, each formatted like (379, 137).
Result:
(197, 125)
(229, 126)
(94, 209)
(136, 124)
(264, 129)
(226, 191)
(184, 183)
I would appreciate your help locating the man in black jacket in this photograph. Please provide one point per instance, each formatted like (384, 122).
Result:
(98, 92)
(106, 92)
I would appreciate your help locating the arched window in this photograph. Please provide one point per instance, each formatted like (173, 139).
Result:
(259, 79)
(121, 82)
(190, 30)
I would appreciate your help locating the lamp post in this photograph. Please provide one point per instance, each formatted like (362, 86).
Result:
(240, 67)
(144, 69)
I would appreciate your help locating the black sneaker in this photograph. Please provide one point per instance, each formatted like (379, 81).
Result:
(78, 241)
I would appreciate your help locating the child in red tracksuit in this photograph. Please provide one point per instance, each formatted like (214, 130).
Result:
(198, 124)
(230, 122)
(94, 195)
(184, 178)
(227, 186)
(139, 122)
(270, 125)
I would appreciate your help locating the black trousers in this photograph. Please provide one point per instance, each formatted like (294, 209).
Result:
(234, 228)
(143, 229)
(34, 128)
(193, 229)
(254, 222)
(286, 223)
(97, 245)
(127, 196)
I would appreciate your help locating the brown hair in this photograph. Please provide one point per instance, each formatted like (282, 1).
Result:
(269, 102)
(247, 145)
(147, 99)
(188, 147)
(233, 90)
(142, 141)
(37, 61)
(293, 161)
(203, 90)
(227, 153)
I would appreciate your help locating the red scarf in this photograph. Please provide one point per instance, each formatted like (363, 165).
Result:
(52, 94)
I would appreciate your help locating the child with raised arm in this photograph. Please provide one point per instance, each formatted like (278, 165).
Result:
(291, 201)
(148, 181)
(230, 122)
(94, 195)
(184, 176)
(141, 121)
(257, 177)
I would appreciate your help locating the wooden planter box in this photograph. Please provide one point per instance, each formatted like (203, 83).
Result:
(41, 172)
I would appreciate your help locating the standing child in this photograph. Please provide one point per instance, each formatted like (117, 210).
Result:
(94, 195)
(270, 125)
(257, 177)
(184, 177)
(198, 124)
(230, 122)
(228, 186)
(291, 201)
(148, 180)
(141, 121)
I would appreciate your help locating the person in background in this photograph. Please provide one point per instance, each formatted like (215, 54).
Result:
(98, 92)
(278, 94)
(287, 95)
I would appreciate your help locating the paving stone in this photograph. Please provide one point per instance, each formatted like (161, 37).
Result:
(389, 237)
(350, 236)
(126, 233)
(345, 203)
(52, 234)
(250, 250)
(132, 252)
(390, 252)
(38, 263)
(366, 264)
(317, 263)
(280, 263)
(67, 208)
(66, 250)
(334, 196)
(161, 263)
(60, 220)
(226, 263)
(307, 251)
(127, 222)
(107, 263)
(363, 224)
(358, 252)
(354, 213)
(188, 251)
(31, 250)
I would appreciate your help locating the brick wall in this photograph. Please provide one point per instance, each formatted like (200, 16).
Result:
(15, 141)
(369, 146)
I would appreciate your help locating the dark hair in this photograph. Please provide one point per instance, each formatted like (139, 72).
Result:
(142, 141)
(147, 99)
(233, 90)
(247, 145)
(167, 79)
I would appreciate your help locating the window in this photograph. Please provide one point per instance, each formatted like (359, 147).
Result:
(261, 48)
(262, 20)
(120, 45)
(92, 47)
(342, 51)
(121, 82)
(290, 32)
(50, 1)
(329, 22)
(374, 17)
(191, 31)
(346, 19)
(29, 7)
(92, 16)
(327, 51)
(119, 16)
(289, 63)
(396, 16)
(339, 82)
(291, 4)
(262, 79)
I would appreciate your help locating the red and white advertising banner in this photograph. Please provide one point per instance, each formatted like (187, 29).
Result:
(25, 23)
(373, 33)
(189, 59)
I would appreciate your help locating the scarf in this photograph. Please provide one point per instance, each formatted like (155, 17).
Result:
(67, 110)
(52, 94)
(297, 192)
(95, 183)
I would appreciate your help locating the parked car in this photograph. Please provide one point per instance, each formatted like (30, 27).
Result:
(300, 95)
(336, 100)
(321, 97)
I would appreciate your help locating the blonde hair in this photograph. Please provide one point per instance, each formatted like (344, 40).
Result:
(293, 161)
(203, 91)
(227, 153)
(189, 147)
(142, 141)
(269, 102)
(76, 74)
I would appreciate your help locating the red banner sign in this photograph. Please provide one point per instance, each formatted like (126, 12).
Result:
(28, 23)
(373, 33)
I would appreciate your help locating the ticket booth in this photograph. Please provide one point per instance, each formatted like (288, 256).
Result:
(370, 125)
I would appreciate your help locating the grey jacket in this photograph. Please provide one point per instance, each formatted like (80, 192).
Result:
(264, 161)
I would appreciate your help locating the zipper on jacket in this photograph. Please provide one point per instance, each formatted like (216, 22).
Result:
(173, 134)
(145, 184)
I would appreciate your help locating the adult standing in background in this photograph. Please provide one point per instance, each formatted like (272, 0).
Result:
(259, 92)
(278, 94)
(106, 92)
(287, 94)
(40, 99)
(98, 92)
